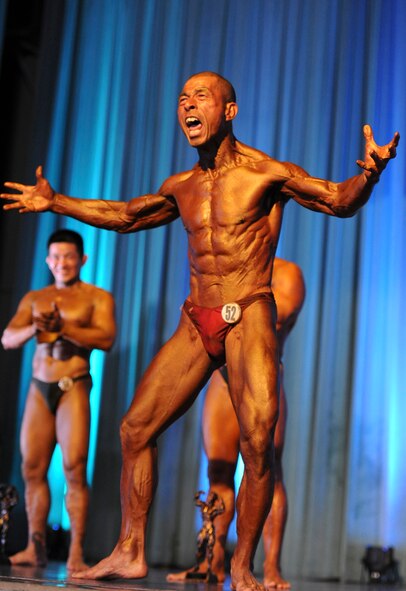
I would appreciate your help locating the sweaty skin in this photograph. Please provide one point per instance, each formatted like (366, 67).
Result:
(68, 319)
(231, 204)
(221, 442)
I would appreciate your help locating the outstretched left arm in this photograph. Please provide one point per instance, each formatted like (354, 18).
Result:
(346, 198)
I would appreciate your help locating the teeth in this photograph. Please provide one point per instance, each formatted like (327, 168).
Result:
(192, 121)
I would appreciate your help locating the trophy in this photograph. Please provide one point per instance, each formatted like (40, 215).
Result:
(8, 499)
(213, 506)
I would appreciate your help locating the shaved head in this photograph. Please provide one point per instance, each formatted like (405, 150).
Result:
(226, 86)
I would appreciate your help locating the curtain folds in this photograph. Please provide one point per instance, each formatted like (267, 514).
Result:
(308, 75)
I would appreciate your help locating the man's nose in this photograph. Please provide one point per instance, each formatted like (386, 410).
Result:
(189, 105)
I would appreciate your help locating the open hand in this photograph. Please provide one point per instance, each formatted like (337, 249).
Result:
(34, 198)
(377, 157)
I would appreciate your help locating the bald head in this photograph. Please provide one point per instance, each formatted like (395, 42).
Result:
(206, 109)
(226, 86)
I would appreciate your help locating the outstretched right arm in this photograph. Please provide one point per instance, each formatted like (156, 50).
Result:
(147, 211)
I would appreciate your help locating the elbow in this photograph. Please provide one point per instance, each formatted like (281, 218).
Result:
(129, 228)
(345, 211)
(107, 344)
(7, 342)
(102, 342)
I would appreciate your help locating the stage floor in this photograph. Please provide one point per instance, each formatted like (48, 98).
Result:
(54, 578)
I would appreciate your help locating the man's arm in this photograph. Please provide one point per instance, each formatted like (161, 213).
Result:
(21, 327)
(147, 211)
(101, 332)
(346, 198)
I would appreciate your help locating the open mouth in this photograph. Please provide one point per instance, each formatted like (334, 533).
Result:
(192, 122)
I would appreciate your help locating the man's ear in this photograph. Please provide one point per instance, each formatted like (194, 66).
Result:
(231, 111)
(84, 259)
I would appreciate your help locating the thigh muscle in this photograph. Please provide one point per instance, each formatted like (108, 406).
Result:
(220, 428)
(73, 423)
(171, 383)
(37, 436)
(252, 361)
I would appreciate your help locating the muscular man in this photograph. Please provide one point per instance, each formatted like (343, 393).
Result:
(68, 319)
(231, 204)
(221, 440)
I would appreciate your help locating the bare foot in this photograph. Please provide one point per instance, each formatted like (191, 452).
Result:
(182, 576)
(76, 564)
(274, 580)
(30, 557)
(119, 565)
(244, 580)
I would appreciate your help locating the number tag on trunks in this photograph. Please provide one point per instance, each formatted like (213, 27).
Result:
(231, 313)
(65, 383)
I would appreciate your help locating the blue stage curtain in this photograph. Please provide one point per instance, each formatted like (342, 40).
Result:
(308, 75)
(3, 12)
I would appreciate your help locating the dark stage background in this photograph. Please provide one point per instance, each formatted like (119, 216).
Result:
(89, 89)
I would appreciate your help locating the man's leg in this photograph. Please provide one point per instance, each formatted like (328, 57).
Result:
(221, 440)
(274, 527)
(169, 386)
(37, 442)
(252, 362)
(72, 429)
(221, 436)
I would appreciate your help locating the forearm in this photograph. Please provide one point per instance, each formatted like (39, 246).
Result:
(336, 199)
(140, 213)
(109, 215)
(353, 193)
(13, 338)
(87, 338)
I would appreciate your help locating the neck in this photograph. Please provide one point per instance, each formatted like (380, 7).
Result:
(218, 152)
(63, 284)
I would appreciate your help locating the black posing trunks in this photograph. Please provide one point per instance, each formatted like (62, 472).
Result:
(52, 392)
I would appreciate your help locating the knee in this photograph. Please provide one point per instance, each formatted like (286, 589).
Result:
(258, 442)
(257, 445)
(221, 472)
(133, 435)
(75, 471)
(278, 470)
(33, 471)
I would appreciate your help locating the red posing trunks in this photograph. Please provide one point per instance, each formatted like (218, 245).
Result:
(211, 326)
